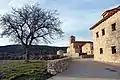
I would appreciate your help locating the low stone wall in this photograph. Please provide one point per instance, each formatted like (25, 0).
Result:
(57, 65)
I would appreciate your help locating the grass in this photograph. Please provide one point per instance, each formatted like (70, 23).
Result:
(20, 70)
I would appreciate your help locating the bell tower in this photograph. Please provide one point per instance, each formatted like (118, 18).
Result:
(72, 39)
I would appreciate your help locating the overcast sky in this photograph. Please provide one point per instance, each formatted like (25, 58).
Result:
(77, 15)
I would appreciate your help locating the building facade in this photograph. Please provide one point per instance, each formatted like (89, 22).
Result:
(106, 36)
(77, 48)
(87, 48)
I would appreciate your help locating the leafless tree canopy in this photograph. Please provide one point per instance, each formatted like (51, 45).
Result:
(31, 24)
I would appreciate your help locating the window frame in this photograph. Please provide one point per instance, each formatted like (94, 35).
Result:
(101, 50)
(113, 49)
(103, 32)
(97, 34)
(113, 26)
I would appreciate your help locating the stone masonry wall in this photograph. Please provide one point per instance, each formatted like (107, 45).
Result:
(111, 38)
(58, 65)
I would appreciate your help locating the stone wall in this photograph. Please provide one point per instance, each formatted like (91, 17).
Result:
(111, 38)
(58, 65)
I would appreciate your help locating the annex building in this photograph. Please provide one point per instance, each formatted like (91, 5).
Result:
(78, 48)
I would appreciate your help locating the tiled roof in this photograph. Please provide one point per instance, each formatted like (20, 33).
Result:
(109, 13)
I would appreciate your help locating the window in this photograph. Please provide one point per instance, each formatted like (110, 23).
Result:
(103, 32)
(113, 26)
(97, 35)
(101, 50)
(113, 49)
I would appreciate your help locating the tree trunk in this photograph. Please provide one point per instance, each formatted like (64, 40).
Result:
(26, 54)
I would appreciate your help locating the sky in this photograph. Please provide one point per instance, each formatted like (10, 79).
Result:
(77, 16)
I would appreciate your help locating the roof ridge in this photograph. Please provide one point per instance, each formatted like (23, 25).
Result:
(110, 12)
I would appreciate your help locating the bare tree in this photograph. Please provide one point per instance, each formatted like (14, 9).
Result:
(29, 25)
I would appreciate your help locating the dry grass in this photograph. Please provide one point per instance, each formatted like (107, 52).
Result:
(19, 70)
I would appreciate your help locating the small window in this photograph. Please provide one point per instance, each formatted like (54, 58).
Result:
(103, 32)
(97, 34)
(101, 50)
(113, 49)
(113, 26)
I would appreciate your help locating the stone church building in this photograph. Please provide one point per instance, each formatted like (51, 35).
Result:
(77, 48)
(106, 36)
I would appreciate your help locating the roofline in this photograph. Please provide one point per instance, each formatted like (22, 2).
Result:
(99, 22)
(105, 18)
(83, 42)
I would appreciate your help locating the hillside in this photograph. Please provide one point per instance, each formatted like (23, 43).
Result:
(36, 50)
